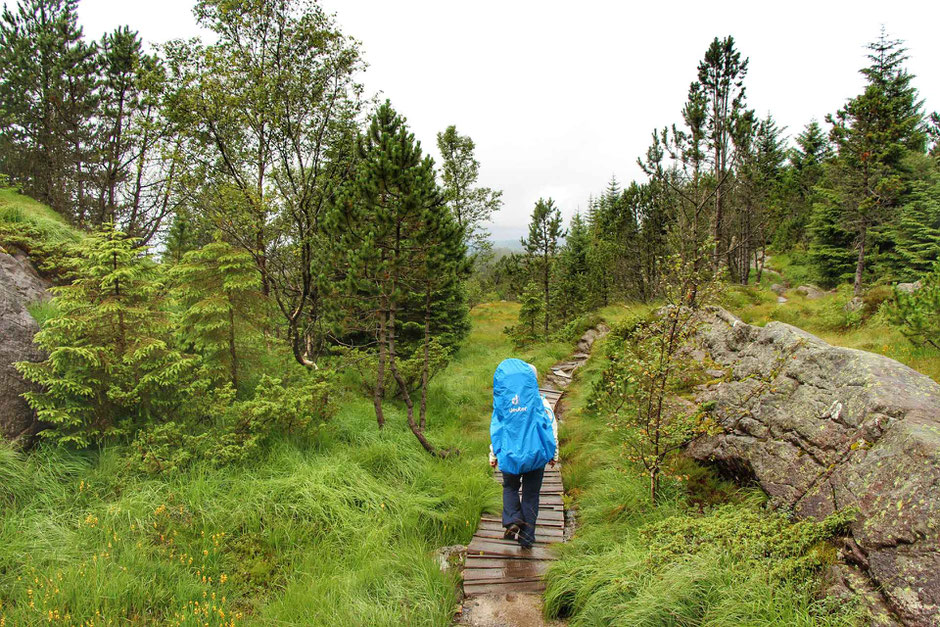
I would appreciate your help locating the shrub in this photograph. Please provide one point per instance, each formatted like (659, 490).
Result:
(238, 428)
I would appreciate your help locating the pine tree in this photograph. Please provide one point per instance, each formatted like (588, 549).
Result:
(397, 232)
(111, 365)
(721, 78)
(573, 270)
(542, 245)
(135, 146)
(218, 290)
(47, 102)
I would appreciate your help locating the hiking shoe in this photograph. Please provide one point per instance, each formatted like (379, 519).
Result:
(512, 532)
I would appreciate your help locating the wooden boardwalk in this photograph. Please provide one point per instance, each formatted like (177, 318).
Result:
(498, 566)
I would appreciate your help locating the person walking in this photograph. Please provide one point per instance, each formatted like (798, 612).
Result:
(523, 439)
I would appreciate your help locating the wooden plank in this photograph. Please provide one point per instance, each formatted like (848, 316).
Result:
(483, 547)
(495, 575)
(476, 561)
(488, 534)
(500, 588)
(541, 521)
(553, 534)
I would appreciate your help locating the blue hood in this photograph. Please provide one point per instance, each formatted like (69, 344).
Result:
(521, 428)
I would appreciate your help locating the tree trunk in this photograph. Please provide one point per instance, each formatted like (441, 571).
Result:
(231, 346)
(545, 273)
(426, 367)
(378, 393)
(403, 386)
(860, 265)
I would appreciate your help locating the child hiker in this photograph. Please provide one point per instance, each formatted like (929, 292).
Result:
(523, 438)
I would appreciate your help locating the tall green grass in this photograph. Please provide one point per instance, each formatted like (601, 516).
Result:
(336, 528)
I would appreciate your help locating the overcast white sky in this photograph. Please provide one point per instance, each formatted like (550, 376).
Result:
(559, 96)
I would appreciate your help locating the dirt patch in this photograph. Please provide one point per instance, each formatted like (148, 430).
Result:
(505, 610)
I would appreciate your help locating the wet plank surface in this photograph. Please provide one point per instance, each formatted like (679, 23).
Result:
(498, 566)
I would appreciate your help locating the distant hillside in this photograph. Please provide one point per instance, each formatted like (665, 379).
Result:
(511, 245)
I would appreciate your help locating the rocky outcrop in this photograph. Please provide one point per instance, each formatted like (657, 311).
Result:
(825, 428)
(19, 286)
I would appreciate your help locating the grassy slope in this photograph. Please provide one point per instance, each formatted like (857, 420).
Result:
(337, 529)
(31, 226)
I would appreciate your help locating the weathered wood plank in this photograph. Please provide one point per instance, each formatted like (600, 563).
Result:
(499, 588)
(488, 534)
(548, 534)
(484, 547)
(475, 561)
(545, 522)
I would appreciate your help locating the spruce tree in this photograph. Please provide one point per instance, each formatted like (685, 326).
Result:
(221, 309)
(573, 270)
(806, 162)
(872, 135)
(542, 245)
(111, 365)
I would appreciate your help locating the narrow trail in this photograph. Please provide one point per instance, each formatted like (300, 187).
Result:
(502, 581)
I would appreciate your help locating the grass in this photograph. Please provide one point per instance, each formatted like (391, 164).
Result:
(337, 528)
(615, 570)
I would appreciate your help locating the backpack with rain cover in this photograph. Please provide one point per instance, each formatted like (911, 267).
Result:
(521, 427)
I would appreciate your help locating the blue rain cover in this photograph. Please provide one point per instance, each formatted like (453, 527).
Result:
(521, 428)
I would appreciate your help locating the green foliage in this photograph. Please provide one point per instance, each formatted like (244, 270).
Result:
(572, 270)
(222, 311)
(541, 247)
(471, 206)
(865, 181)
(526, 330)
(737, 564)
(335, 527)
(237, 431)
(918, 311)
(111, 365)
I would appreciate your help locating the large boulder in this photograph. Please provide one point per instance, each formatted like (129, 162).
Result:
(811, 292)
(825, 428)
(19, 286)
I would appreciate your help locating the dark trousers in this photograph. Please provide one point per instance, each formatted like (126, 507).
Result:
(525, 511)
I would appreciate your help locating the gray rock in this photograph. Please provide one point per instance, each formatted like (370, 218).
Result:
(811, 292)
(19, 286)
(778, 289)
(909, 287)
(825, 428)
(856, 304)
